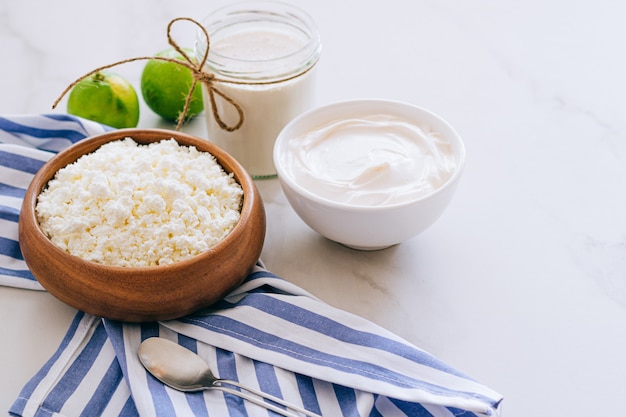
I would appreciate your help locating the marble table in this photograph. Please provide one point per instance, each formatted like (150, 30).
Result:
(521, 283)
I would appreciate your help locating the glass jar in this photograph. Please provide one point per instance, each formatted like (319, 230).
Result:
(268, 50)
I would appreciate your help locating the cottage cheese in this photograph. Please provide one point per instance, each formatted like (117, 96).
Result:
(140, 205)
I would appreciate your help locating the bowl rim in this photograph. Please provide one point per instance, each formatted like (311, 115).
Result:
(45, 174)
(288, 180)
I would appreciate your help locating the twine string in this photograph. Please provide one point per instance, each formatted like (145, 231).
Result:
(200, 75)
(205, 77)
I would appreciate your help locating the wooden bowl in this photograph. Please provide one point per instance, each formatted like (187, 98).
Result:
(143, 293)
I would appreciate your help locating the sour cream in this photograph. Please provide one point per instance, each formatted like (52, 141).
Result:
(370, 161)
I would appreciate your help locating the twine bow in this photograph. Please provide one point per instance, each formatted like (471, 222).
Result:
(199, 75)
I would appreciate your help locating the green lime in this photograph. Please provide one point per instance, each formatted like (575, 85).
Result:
(165, 86)
(106, 98)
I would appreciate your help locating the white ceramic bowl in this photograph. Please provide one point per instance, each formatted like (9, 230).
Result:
(358, 226)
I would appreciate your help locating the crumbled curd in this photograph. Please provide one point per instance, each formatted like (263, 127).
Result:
(134, 205)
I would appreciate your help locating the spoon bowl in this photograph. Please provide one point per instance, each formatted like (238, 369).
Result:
(176, 366)
(183, 370)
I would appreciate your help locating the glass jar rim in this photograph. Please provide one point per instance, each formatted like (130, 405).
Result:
(253, 12)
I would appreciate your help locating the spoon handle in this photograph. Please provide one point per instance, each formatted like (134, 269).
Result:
(256, 401)
(277, 400)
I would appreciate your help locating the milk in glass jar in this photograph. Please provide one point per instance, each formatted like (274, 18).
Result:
(262, 56)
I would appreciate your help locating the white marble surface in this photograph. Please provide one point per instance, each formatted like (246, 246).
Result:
(522, 282)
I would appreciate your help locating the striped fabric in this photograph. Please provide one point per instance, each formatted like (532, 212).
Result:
(268, 334)
(26, 143)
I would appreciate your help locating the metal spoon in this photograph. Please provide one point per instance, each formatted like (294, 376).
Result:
(183, 370)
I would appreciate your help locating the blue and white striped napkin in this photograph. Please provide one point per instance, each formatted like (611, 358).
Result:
(26, 143)
(268, 334)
